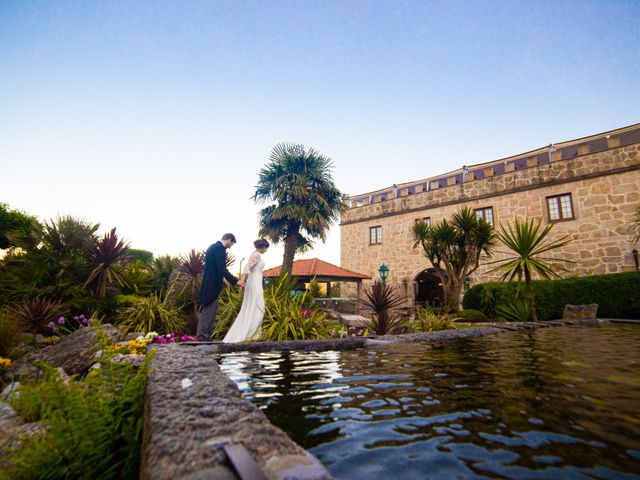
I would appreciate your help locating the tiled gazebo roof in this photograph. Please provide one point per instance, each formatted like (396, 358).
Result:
(314, 267)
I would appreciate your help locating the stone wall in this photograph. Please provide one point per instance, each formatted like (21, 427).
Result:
(605, 190)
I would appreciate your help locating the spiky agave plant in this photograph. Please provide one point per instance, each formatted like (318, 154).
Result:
(109, 253)
(36, 313)
(383, 301)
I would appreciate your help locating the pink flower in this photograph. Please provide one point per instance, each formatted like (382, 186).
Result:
(51, 325)
(61, 320)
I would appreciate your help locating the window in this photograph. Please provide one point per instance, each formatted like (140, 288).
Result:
(560, 207)
(486, 214)
(426, 220)
(375, 235)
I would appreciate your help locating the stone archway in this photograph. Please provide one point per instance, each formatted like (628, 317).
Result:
(427, 289)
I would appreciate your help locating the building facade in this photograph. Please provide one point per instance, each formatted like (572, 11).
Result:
(589, 188)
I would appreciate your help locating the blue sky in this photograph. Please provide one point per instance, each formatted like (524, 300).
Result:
(156, 116)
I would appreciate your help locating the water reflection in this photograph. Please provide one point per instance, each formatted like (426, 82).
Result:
(551, 403)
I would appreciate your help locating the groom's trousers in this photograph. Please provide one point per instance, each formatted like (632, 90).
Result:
(206, 320)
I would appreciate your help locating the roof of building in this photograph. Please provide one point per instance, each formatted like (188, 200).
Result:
(594, 143)
(314, 267)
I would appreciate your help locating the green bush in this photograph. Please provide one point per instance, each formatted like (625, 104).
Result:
(428, 321)
(94, 429)
(617, 295)
(516, 311)
(10, 334)
(150, 314)
(472, 315)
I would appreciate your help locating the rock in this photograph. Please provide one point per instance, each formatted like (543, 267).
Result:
(13, 430)
(74, 354)
(581, 311)
(10, 392)
(354, 320)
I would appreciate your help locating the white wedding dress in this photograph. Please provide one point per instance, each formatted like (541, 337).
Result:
(248, 321)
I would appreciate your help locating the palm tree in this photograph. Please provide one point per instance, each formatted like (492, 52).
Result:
(454, 248)
(527, 242)
(305, 200)
(109, 253)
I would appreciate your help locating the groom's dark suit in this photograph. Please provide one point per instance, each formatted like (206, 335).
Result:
(215, 269)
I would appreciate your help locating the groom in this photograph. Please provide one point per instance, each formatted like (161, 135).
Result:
(215, 268)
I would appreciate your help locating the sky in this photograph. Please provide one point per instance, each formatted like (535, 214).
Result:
(156, 116)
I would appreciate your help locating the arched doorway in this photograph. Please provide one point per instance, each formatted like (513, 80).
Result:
(428, 289)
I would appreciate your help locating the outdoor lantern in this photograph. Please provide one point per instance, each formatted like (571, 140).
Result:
(634, 252)
(384, 272)
(467, 282)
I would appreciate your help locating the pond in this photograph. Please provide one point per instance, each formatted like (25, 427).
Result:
(559, 402)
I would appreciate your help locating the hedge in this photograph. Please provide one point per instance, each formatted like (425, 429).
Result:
(618, 295)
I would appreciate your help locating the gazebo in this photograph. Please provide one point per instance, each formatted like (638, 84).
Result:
(324, 272)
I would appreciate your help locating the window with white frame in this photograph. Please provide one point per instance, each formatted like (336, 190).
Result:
(560, 207)
(486, 214)
(375, 235)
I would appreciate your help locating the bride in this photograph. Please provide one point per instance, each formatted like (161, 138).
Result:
(247, 323)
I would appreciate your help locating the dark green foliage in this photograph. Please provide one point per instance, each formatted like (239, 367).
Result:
(94, 430)
(516, 311)
(137, 279)
(383, 302)
(14, 224)
(10, 334)
(429, 321)
(472, 315)
(138, 255)
(161, 269)
(618, 295)
(153, 313)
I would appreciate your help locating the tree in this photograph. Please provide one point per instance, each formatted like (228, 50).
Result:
(454, 248)
(527, 242)
(305, 200)
(14, 223)
(635, 226)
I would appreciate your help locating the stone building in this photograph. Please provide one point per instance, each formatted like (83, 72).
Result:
(589, 188)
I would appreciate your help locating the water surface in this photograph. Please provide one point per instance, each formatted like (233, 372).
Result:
(550, 403)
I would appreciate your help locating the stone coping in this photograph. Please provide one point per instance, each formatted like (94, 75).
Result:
(193, 410)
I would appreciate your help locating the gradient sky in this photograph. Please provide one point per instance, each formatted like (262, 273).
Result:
(155, 116)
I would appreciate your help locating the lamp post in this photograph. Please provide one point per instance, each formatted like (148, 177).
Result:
(467, 282)
(634, 252)
(384, 273)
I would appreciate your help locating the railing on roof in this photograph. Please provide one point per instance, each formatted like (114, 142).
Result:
(552, 153)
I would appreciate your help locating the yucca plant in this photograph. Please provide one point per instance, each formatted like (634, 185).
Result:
(36, 313)
(191, 267)
(109, 252)
(383, 302)
(151, 314)
(294, 320)
(161, 269)
(529, 243)
(429, 321)
(516, 311)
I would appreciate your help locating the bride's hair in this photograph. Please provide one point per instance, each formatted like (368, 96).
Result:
(261, 243)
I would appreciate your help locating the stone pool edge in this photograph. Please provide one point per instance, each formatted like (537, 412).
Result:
(192, 409)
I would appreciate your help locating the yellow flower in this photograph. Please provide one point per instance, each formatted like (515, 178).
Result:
(5, 362)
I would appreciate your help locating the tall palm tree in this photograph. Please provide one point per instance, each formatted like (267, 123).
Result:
(454, 248)
(529, 243)
(305, 200)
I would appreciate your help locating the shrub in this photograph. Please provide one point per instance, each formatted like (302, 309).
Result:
(383, 302)
(10, 334)
(617, 295)
(37, 313)
(516, 311)
(286, 317)
(428, 321)
(94, 426)
(151, 314)
(472, 315)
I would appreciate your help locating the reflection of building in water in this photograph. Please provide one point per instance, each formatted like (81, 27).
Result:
(589, 188)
